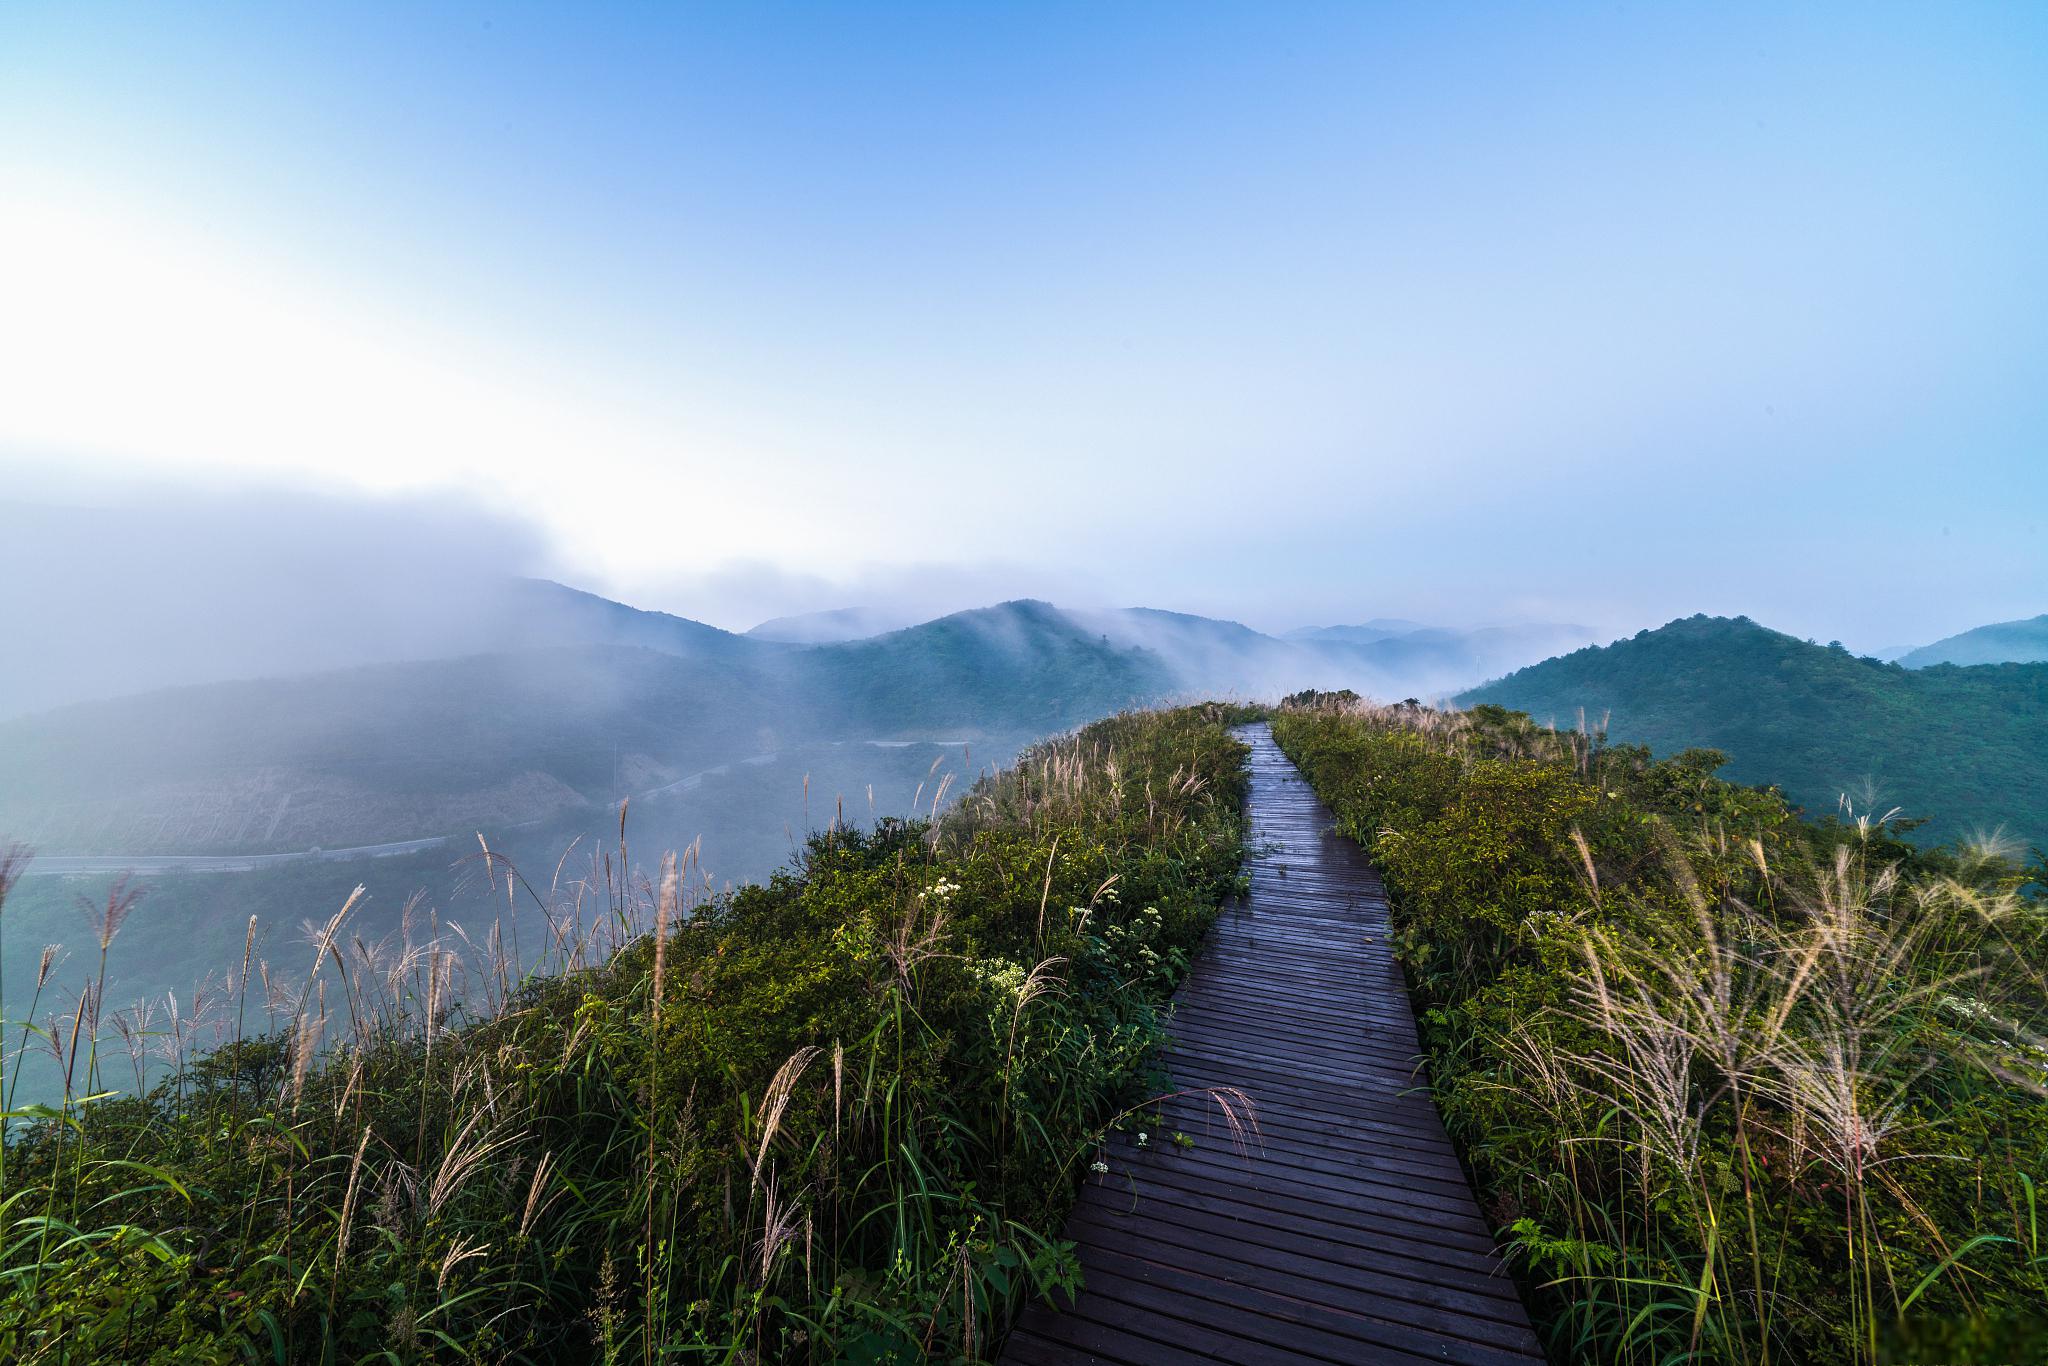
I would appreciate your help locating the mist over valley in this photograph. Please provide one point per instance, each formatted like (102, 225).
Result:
(960, 685)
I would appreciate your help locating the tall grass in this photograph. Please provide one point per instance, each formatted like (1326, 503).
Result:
(1738, 1086)
(836, 1116)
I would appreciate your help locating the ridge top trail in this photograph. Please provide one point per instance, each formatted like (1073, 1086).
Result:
(1346, 1232)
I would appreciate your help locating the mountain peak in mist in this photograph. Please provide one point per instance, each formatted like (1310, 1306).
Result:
(1364, 633)
(542, 612)
(829, 627)
(2004, 642)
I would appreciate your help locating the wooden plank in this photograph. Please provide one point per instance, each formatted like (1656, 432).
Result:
(1342, 1149)
(1273, 1167)
(1304, 1316)
(1345, 1232)
(1408, 1287)
(1418, 1240)
(1293, 1154)
(1343, 1066)
(1272, 1329)
(1075, 1337)
(1412, 1113)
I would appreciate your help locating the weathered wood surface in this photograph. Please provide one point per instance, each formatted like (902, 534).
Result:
(1346, 1232)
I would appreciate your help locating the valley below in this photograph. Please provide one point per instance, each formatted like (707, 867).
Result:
(425, 782)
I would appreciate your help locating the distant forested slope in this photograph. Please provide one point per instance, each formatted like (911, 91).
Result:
(2005, 642)
(1966, 748)
(1021, 666)
(400, 751)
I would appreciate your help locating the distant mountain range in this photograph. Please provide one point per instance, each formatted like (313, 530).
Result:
(2007, 642)
(1963, 747)
(551, 705)
(626, 702)
(829, 628)
(1365, 633)
(1382, 659)
(556, 700)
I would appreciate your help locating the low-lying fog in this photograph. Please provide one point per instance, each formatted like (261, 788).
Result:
(255, 701)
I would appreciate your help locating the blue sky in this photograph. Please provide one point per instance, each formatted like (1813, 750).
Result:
(1294, 313)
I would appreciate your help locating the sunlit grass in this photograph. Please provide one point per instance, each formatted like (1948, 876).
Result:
(1736, 1086)
(839, 1114)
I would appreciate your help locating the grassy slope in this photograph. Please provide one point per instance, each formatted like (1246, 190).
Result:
(1961, 746)
(838, 1116)
(747, 822)
(1727, 1099)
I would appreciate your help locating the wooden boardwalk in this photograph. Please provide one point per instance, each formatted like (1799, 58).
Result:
(1348, 1233)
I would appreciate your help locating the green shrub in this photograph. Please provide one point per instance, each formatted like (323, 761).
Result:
(1734, 1086)
(837, 1116)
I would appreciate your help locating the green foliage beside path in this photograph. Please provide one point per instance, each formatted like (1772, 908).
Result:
(1960, 749)
(1734, 1086)
(838, 1116)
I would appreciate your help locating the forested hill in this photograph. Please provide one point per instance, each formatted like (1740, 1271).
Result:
(397, 751)
(1963, 747)
(2022, 642)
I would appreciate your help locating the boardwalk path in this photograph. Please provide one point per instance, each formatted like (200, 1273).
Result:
(1348, 1234)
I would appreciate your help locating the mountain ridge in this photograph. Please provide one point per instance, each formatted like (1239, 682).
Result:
(584, 699)
(394, 751)
(2002, 642)
(1958, 746)
(832, 626)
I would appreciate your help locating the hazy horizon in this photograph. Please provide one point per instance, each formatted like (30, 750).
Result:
(78, 555)
(1467, 316)
(934, 681)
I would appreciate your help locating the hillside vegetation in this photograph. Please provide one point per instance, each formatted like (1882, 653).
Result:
(401, 751)
(742, 822)
(838, 1116)
(716, 738)
(553, 702)
(1960, 748)
(2005, 642)
(1736, 1087)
